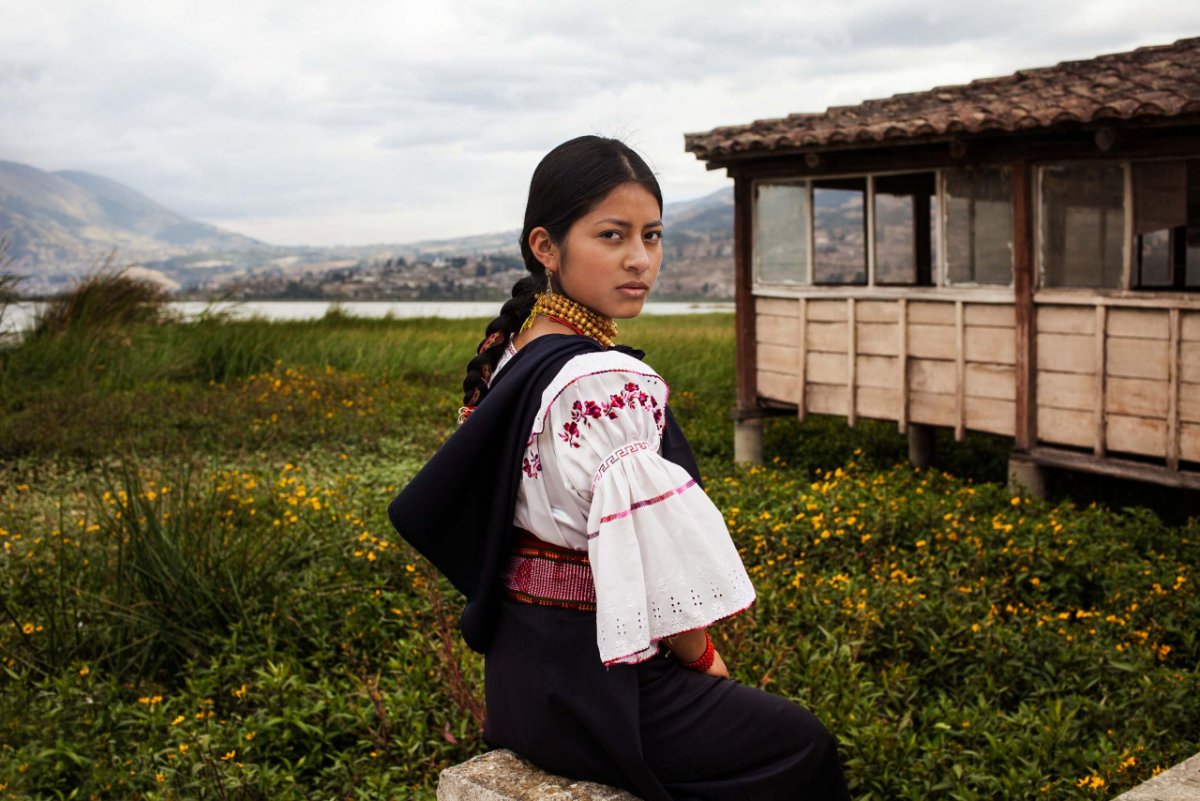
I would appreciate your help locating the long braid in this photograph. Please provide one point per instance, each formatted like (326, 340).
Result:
(495, 337)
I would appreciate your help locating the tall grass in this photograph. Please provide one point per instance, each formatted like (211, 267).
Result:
(172, 563)
(107, 300)
(203, 597)
(8, 281)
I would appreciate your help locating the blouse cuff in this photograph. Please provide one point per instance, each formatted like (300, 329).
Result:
(662, 559)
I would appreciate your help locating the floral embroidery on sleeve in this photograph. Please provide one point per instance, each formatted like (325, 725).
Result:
(584, 412)
(531, 466)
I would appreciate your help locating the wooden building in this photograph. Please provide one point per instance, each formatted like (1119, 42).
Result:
(1017, 255)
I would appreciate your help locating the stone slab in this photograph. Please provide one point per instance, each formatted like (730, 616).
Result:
(501, 775)
(1180, 783)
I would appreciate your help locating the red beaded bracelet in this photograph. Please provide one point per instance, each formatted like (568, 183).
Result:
(706, 659)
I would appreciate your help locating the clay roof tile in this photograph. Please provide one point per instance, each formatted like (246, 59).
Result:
(1156, 81)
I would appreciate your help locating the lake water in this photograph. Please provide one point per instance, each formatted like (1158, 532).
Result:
(20, 315)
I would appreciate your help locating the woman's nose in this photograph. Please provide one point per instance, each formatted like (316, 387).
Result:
(638, 258)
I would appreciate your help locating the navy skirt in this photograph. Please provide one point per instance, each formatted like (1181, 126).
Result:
(656, 729)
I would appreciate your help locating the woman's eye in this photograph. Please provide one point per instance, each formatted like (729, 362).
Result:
(654, 236)
(611, 235)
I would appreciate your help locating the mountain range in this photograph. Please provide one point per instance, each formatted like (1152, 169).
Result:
(57, 226)
(69, 220)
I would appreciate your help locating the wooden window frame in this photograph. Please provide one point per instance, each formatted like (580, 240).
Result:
(1178, 241)
(937, 267)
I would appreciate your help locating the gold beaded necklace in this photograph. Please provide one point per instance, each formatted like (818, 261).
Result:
(576, 316)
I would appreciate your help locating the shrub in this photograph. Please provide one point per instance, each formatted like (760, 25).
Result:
(109, 299)
(8, 282)
(161, 567)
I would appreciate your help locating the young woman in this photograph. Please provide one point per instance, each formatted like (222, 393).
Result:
(567, 508)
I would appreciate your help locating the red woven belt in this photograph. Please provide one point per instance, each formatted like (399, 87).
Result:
(548, 575)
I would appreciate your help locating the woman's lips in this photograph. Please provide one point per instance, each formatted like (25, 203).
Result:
(636, 290)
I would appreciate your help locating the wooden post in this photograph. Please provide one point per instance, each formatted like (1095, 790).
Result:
(902, 364)
(922, 241)
(851, 363)
(802, 366)
(869, 229)
(1100, 439)
(960, 369)
(1173, 369)
(1023, 282)
(747, 439)
(921, 445)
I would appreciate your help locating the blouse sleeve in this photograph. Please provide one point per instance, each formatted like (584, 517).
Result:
(662, 559)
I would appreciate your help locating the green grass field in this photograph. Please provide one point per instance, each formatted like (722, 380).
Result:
(201, 596)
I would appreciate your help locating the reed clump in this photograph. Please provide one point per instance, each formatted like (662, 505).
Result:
(107, 300)
(8, 281)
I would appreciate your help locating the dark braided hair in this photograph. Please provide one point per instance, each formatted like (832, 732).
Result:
(570, 181)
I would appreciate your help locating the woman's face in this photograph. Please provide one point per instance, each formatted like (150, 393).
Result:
(610, 257)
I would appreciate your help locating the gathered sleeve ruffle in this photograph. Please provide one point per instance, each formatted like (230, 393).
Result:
(662, 559)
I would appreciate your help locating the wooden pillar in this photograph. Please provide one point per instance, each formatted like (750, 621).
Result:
(1100, 437)
(1026, 320)
(922, 450)
(960, 372)
(747, 441)
(1174, 369)
(922, 240)
(902, 363)
(851, 364)
(802, 362)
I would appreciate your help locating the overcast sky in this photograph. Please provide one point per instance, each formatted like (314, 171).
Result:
(354, 122)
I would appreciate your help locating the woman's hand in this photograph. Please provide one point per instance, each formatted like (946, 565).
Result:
(718, 667)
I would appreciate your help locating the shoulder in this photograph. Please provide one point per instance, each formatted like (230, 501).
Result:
(608, 371)
(601, 382)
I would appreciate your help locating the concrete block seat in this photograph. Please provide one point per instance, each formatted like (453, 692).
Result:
(1180, 783)
(501, 775)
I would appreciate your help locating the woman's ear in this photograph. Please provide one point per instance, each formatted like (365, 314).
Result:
(544, 249)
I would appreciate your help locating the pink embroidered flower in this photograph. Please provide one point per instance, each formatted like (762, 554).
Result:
(571, 431)
(532, 466)
(631, 397)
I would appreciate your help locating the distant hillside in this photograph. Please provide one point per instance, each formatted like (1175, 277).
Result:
(710, 216)
(61, 224)
(64, 222)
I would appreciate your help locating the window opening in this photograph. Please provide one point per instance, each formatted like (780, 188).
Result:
(978, 225)
(1083, 225)
(1166, 225)
(839, 231)
(781, 230)
(903, 220)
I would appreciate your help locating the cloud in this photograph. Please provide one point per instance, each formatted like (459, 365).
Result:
(378, 120)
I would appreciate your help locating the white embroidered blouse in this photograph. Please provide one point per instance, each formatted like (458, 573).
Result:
(594, 479)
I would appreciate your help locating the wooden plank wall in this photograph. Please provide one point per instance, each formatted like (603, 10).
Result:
(1123, 380)
(945, 363)
(1189, 386)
